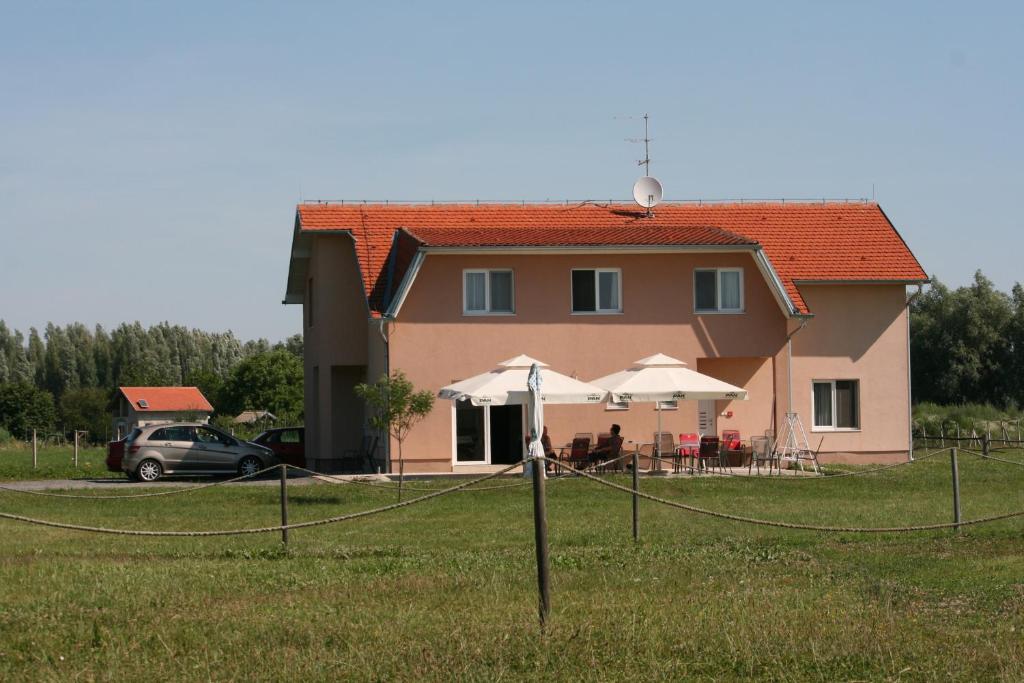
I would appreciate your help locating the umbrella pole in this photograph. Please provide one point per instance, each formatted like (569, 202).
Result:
(657, 444)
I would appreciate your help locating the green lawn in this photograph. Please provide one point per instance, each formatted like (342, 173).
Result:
(447, 589)
(53, 463)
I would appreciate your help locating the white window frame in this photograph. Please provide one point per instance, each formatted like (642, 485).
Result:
(597, 292)
(667, 405)
(616, 405)
(718, 310)
(487, 290)
(832, 427)
(487, 438)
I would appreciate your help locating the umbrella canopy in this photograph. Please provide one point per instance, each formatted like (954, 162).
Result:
(507, 385)
(663, 378)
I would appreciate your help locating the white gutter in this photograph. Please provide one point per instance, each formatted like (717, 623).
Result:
(768, 271)
(406, 285)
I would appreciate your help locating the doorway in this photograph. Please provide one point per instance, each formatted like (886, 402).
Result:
(487, 435)
(706, 423)
(506, 434)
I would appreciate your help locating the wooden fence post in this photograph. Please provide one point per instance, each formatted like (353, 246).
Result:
(284, 504)
(984, 444)
(636, 490)
(540, 532)
(76, 448)
(956, 487)
(35, 451)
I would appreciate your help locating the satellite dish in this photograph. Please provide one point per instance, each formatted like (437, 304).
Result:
(647, 192)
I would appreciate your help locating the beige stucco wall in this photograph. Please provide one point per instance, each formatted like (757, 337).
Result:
(435, 344)
(858, 332)
(337, 338)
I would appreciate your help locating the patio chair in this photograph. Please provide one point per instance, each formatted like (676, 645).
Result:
(761, 451)
(709, 454)
(614, 457)
(359, 459)
(579, 452)
(665, 447)
(689, 446)
(731, 438)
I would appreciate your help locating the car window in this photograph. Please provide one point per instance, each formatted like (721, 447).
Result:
(159, 435)
(177, 434)
(290, 436)
(207, 435)
(272, 437)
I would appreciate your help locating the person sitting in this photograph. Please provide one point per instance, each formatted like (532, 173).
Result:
(611, 449)
(545, 443)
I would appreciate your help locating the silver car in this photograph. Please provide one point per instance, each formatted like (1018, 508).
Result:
(190, 448)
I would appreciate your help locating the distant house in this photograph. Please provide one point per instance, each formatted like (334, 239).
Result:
(804, 305)
(140, 406)
(249, 417)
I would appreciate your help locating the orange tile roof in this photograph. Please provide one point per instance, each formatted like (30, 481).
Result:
(835, 241)
(167, 399)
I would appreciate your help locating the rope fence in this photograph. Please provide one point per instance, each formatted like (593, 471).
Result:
(259, 530)
(795, 526)
(188, 489)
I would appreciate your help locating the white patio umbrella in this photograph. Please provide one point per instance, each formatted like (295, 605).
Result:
(663, 378)
(507, 385)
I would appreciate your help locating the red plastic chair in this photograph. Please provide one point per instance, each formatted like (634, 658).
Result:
(731, 439)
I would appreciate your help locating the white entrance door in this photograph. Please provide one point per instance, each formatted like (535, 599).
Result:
(706, 424)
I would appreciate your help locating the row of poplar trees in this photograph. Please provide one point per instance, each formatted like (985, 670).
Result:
(66, 377)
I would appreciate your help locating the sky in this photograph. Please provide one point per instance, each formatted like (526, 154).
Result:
(152, 154)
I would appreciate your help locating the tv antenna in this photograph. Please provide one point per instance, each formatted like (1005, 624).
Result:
(647, 191)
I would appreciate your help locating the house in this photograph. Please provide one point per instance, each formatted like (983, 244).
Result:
(802, 304)
(141, 406)
(251, 417)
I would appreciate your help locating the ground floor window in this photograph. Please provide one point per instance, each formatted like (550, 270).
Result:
(837, 404)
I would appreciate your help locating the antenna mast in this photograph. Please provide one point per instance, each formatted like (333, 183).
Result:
(646, 162)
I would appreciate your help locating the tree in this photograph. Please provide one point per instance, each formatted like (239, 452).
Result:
(396, 407)
(86, 408)
(23, 408)
(271, 380)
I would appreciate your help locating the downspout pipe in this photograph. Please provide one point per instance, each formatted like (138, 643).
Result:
(382, 328)
(804, 319)
(910, 402)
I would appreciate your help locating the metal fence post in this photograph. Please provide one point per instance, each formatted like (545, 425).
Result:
(636, 490)
(540, 529)
(35, 450)
(284, 503)
(76, 448)
(956, 487)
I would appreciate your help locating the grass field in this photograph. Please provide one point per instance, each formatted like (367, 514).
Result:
(53, 463)
(447, 589)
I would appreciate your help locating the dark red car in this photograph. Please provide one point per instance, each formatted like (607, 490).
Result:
(288, 444)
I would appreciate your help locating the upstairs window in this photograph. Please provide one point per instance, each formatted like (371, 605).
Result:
(718, 290)
(597, 290)
(836, 404)
(486, 292)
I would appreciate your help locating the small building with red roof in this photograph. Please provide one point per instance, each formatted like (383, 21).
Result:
(803, 304)
(141, 406)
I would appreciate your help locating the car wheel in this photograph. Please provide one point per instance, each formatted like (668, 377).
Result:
(249, 465)
(149, 470)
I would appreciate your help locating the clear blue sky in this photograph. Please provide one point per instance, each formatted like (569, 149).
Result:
(151, 155)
